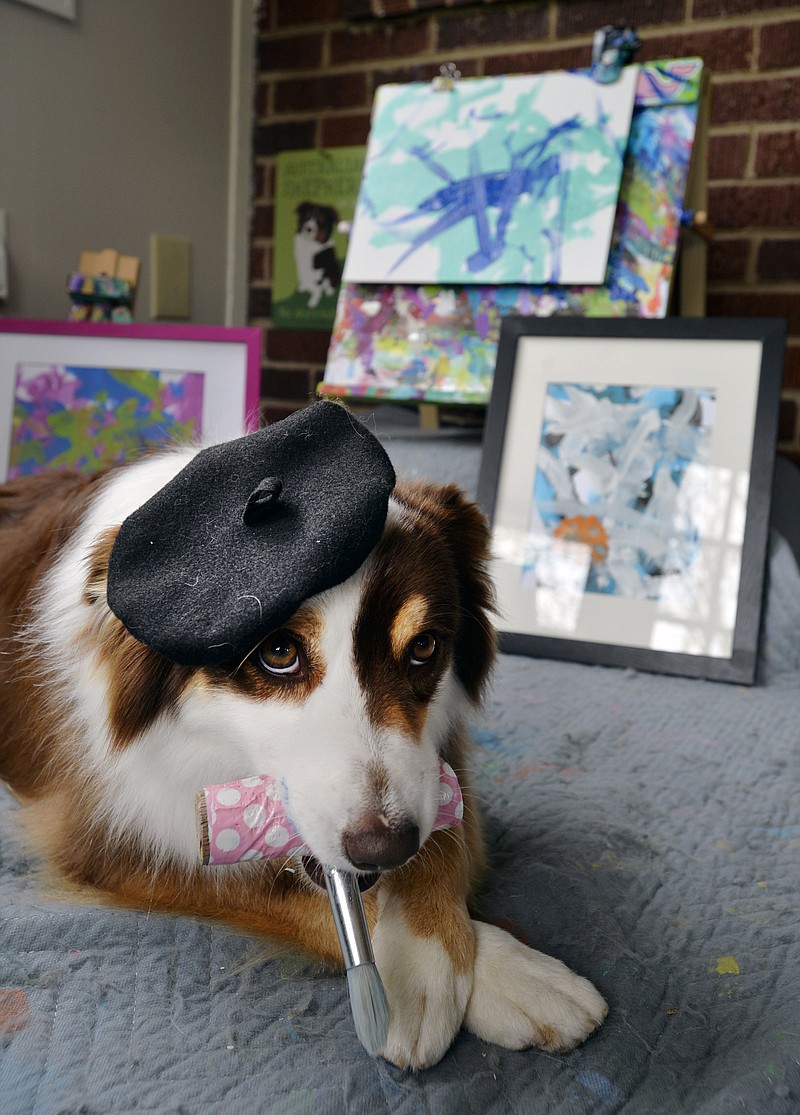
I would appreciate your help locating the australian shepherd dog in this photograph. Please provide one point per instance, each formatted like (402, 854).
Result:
(354, 701)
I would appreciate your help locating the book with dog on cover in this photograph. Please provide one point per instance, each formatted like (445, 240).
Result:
(315, 191)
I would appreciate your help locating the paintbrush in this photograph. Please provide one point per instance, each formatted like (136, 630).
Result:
(367, 996)
(246, 820)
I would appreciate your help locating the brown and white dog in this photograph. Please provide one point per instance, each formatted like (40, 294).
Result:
(352, 702)
(318, 269)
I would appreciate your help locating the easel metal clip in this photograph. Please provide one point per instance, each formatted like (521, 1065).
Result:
(613, 47)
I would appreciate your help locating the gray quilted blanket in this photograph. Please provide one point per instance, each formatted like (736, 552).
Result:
(644, 829)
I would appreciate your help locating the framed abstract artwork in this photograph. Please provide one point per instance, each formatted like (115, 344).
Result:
(82, 396)
(627, 473)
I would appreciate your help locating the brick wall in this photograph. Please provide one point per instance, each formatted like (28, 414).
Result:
(319, 63)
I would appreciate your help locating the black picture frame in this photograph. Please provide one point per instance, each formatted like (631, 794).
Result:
(551, 377)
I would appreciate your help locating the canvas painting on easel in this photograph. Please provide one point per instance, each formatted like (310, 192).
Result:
(439, 343)
(495, 180)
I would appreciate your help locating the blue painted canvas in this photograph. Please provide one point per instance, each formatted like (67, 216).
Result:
(497, 180)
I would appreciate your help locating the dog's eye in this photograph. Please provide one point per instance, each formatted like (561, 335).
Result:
(278, 654)
(423, 648)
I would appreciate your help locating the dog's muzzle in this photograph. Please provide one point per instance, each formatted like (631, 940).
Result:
(374, 846)
(377, 845)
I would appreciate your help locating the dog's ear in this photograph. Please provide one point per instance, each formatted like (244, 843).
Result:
(465, 531)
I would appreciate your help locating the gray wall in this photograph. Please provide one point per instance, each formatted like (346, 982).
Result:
(114, 127)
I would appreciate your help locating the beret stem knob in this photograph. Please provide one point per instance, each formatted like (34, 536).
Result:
(262, 501)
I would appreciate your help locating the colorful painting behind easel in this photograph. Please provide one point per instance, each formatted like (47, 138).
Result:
(494, 180)
(439, 343)
(68, 417)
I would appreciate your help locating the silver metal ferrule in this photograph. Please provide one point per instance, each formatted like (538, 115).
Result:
(349, 917)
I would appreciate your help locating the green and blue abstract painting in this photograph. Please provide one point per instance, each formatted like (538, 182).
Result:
(69, 417)
(495, 180)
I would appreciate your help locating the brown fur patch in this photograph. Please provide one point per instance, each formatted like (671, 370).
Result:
(253, 680)
(439, 551)
(381, 782)
(462, 529)
(430, 565)
(411, 620)
(142, 684)
(38, 515)
(97, 567)
(261, 898)
(396, 693)
(435, 886)
(549, 1037)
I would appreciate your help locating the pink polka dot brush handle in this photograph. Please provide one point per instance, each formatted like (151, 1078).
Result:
(246, 819)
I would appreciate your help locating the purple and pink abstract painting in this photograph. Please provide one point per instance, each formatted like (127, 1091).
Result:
(83, 418)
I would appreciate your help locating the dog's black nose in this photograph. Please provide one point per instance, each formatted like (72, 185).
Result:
(374, 844)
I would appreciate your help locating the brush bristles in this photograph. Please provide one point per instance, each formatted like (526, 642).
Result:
(203, 836)
(369, 1006)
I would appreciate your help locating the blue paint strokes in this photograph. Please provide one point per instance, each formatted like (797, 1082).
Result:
(600, 1086)
(500, 180)
(287, 1025)
(481, 737)
(471, 198)
(784, 832)
(287, 808)
(611, 480)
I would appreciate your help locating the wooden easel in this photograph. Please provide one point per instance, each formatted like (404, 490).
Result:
(689, 292)
(429, 416)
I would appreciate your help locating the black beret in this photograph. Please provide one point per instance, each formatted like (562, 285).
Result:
(231, 546)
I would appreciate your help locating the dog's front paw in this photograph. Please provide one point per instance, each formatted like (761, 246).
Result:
(521, 997)
(427, 993)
